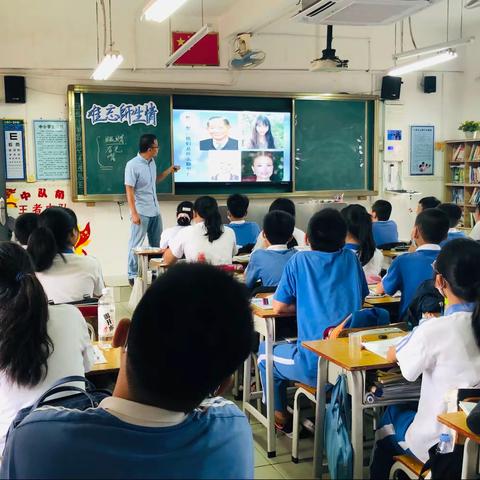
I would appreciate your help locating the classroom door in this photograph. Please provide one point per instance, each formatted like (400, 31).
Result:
(4, 231)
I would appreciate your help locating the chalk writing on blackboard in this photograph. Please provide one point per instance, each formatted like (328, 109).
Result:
(124, 113)
(108, 150)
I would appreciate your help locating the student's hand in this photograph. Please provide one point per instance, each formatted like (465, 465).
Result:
(379, 289)
(392, 355)
(136, 218)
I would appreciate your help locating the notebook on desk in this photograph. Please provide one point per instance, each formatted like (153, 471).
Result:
(265, 303)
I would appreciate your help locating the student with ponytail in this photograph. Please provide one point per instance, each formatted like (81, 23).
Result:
(444, 350)
(39, 344)
(65, 277)
(360, 240)
(184, 218)
(206, 240)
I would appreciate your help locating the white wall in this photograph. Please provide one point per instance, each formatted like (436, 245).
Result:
(53, 53)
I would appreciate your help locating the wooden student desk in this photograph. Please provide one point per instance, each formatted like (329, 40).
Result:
(143, 257)
(393, 253)
(112, 355)
(334, 359)
(458, 421)
(264, 324)
(381, 301)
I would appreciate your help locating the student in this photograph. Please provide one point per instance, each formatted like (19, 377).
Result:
(245, 232)
(445, 351)
(262, 138)
(65, 277)
(207, 240)
(219, 130)
(184, 218)
(454, 214)
(39, 344)
(25, 224)
(360, 240)
(409, 270)
(384, 230)
(322, 287)
(475, 233)
(284, 205)
(266, 266)
(157, 424)
(427, 202)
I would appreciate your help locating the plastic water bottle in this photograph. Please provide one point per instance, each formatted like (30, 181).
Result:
(106, 315)
(445, 443)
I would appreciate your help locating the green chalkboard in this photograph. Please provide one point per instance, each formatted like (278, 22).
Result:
(334, 145)
(333, 140)
(107, 129)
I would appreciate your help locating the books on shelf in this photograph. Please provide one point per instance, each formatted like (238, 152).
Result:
(475, 153)
(459, 153)
(458, 195)
(458, 174)
(475, 198)
(474, 174)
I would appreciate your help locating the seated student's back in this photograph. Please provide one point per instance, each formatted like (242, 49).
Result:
(408, 271)
(384, 230)
(454, 214)
(284, 205)
(266, 266)
(65, 276)
(24, 225)
(189, 333)
(184, 218)
(206, 240)
(39, 344)
(245, 232)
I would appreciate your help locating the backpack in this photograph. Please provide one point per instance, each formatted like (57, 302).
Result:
(427, 299)
(337, 443)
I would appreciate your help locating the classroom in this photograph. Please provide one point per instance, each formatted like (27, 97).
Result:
(240, 239)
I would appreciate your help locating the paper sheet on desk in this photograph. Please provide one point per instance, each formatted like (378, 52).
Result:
(264, 303)
(381, 347)
(98, 355)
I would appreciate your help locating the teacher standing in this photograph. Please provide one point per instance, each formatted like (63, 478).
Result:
(140, 184)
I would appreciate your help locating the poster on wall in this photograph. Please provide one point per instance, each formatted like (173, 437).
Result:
(422, 143)
(14, 135)
(51, 149)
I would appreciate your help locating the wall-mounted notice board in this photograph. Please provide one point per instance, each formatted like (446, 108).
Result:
(333, 140)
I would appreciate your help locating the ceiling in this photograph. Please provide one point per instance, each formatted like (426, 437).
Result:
(211, 8)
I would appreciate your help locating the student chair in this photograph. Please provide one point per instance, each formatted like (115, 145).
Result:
(409, 466)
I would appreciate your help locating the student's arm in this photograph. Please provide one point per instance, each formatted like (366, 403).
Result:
(131, 204)
(392, 281)
(284, 308)
(285, 297)
(412, 354)
(162, 176)
(86, 344)
(99, 284)
(176, 249)
(252, 272)
(169, 258)
(392, 355)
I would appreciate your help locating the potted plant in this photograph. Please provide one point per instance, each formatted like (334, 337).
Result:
(470, 128)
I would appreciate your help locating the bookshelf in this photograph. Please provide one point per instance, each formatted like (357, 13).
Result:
(462, 176)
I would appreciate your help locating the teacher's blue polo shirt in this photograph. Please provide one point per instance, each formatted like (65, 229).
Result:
(142, 176)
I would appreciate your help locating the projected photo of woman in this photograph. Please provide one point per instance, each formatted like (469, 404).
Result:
(265, 166)
(262, 137)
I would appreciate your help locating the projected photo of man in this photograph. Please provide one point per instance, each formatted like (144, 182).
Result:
(219, 131)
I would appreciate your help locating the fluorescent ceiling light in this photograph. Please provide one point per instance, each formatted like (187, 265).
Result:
(191, 42)
(434, 48)
(160, 10)
(422, 64)
(108, 65)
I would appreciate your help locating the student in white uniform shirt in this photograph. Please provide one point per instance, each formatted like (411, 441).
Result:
(39, 344)
(184, 218)
(65, 277)
(360, 240)
(444, 350)
(475, 233)
(284, 205)
(207, 240)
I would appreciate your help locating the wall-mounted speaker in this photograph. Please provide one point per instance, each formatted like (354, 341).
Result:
(391, 88)
(429, 84)
(14, 89)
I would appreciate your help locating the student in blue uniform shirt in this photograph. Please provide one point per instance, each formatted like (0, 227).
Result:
(156, 425)
(444, 351)
(409, 270)
(454, 214)
(245, 232)
(266, 266)
(384, 230)
(322, 287)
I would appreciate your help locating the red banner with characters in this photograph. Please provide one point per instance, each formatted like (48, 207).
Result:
(205, 52)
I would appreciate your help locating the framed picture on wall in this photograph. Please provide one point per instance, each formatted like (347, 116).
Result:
(422, 156)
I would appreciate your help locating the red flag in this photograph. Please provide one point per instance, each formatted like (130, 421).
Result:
(205, 52)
